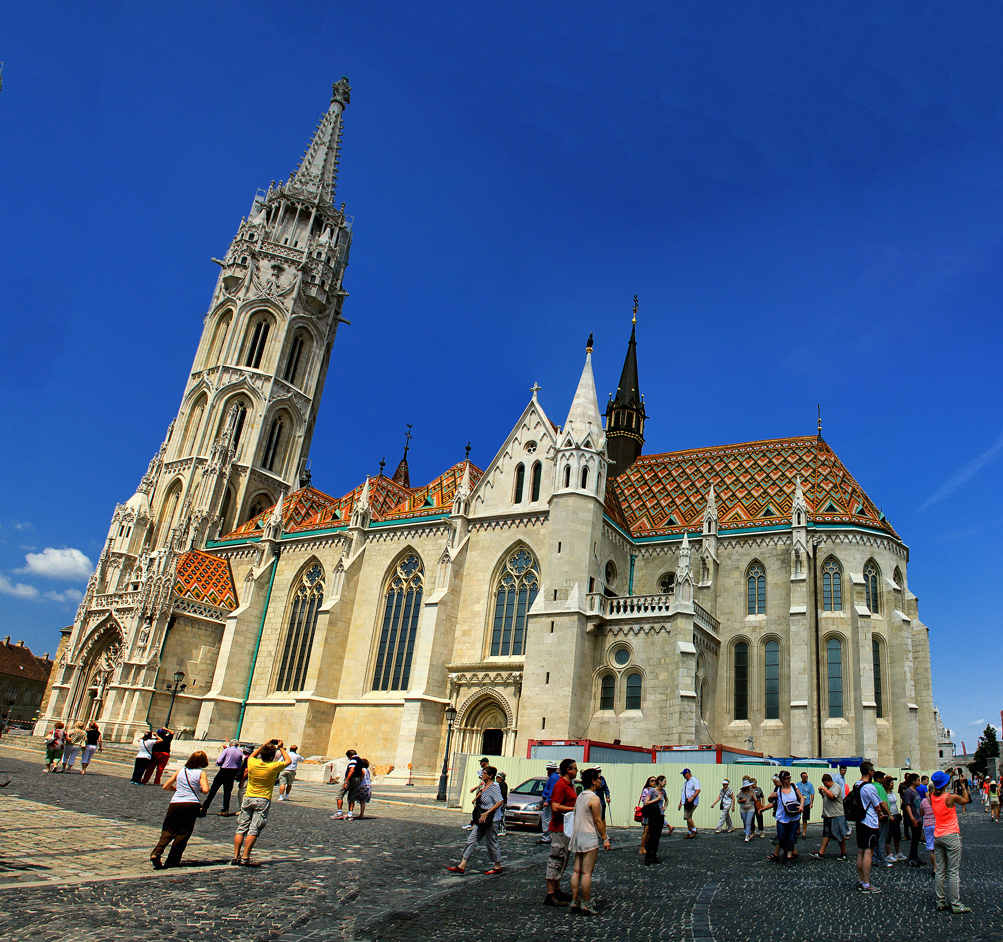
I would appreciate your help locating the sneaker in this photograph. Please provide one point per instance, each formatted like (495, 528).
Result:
(901, 857)
(552, 900)
(957, 910)
(869, 889)
(817, 856)
(747, 840)
(349, 816)
(338, 815)
(466, 827)
(842, 857)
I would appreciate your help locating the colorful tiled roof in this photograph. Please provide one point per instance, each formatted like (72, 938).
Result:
(298, 509)
(437, 495)
(205, 578)
(754, 483)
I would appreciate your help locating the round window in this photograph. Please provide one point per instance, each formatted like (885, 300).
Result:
(610, 574)
(667, 583)
(621, 657)
(530, 447)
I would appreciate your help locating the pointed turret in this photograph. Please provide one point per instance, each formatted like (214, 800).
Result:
(584, 410)
(318, 170)
(625, 413)
(402, 476)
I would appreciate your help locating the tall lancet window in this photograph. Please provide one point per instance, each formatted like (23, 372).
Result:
(298, 642)
(757, 589)
(832, 585)
(402, 606)
(272, 445)
(517, 589)
(256, 344)
(871, 586)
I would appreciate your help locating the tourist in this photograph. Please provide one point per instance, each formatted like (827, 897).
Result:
(489, 805)
(143, 757)
(760, 803)
(833, 821)
(807, 792)
(893, 837)
(910, 810)
(878, 859)
(947, 842)
(561, 801)
(587, 835)
(262, 770)
(663, 785)
(747, 807)
(771, 803)
(545, 813)
(929, 822)
(789, 804)
(54, 747)
(688, 801)
(654, 812)
(503, 785)
(228, 764)
(365, 788)
(994, 802)
(727, 798)
(189, 784)
(350, 784)
(72, 744)
(650, 787)
(476, 792)
(960, 786)
(867, 828)
(602, 790)
(161, 755)
(92, 745)
(288, 775)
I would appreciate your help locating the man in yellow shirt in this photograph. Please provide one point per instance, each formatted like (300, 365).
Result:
(262, 770)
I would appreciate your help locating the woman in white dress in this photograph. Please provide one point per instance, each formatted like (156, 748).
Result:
(587, 835)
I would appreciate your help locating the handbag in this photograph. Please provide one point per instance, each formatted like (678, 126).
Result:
(639, 813)
(569, 823)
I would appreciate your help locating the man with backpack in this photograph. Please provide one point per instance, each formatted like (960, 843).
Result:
(863, 807)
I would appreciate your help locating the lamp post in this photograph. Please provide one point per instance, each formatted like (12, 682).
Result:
(174, 689)
(450, 716)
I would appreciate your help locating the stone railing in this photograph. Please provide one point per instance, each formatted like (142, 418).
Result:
(629, 606)
(117, 599)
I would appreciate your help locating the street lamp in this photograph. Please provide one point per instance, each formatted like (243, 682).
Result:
(450, 716)
(174, 690)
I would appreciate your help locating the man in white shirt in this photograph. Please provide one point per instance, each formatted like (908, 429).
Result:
(867, 830)
(688, 801)
(288, 775)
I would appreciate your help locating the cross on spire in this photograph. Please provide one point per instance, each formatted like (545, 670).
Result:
(407, 439)
(634, 321)
(383, 463)
(535, 388)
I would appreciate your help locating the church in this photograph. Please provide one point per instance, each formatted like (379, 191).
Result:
(575, 587)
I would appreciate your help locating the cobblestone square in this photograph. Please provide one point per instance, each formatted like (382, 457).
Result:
(74, 849)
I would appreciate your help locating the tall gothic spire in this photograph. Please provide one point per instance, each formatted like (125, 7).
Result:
(318, 170)
(585, 406)
(402, 475)
(625, 414)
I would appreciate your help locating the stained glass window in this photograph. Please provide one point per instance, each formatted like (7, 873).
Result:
(517, 589)
(772, 680)
(871, 586)
(607, 693)
(741, 681)
(298, 644)
(832, 586)
(633, 691)
(402, 606)
(834, 661)
(757, 589)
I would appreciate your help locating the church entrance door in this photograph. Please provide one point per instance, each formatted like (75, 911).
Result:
(492, 744)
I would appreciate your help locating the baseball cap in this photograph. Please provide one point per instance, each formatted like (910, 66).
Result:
(684, 771)
(940, 779)
(552, 765)
(485, 759)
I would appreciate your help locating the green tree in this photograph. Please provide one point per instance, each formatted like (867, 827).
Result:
(988, 748)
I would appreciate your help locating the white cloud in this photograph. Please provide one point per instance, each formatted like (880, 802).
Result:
(18, 589)
(977, 722)
(70, 596)
(64, 563)
(21, 525)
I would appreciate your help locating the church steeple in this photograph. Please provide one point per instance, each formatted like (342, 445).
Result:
(402, 476)
(318, 170)
(625, 413)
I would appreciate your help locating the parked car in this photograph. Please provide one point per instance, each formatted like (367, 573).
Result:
(525, 803)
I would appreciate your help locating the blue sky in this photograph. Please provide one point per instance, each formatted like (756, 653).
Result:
(806, 198)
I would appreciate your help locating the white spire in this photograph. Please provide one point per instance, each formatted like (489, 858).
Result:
(799, 510)
(585, 405)
(364, 496)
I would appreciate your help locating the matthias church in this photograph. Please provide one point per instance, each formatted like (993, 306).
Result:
(574, 587)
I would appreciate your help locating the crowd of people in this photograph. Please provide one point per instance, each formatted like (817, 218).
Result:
(880, 814)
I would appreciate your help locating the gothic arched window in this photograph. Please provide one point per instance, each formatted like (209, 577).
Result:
(298, 644)
(214, 354)
(832, 585)
(741, 678)
(567, 475)
(517, 589)
(192, 426)
(520, 482)
(607, 693)
(871, 586)
(667, 584)
(585, 477)
(876, 653)
(297, 351)
(256, 342)
(537, 475)
(757, 589)
(633, 691)
(402, 606)
(272, 444)
(834, 672)
(239, 417)
(772, 652)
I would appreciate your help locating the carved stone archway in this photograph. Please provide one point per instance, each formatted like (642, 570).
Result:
(100, 658)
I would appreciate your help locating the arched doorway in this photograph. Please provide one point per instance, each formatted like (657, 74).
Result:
(485, 727)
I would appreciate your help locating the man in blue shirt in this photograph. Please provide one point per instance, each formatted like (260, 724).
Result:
(229, 762)
(546, 812)
(807, 791)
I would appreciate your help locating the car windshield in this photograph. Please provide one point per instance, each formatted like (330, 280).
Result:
(533, 787)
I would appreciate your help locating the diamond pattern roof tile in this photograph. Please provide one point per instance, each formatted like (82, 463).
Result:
(205, 578)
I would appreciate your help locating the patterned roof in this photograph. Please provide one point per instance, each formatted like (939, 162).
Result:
(310, 509)
(205, 578)
(17, 661)
(754, 484)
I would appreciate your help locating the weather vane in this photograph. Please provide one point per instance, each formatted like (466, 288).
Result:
(634, 321)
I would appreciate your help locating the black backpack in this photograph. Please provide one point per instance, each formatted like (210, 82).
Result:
(853, 807)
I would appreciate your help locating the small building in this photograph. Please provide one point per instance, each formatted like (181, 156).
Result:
(23, 680)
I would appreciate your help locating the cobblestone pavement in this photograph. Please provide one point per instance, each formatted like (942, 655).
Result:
(73, 864)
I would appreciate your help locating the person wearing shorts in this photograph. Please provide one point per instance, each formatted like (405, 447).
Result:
(288, 775)
(994, 801)
(807, 791)
(561, 801)
(928, 822)
(867, 830)
(262, 770)
(350, 785)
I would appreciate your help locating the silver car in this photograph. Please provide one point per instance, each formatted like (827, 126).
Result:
(525, 802)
